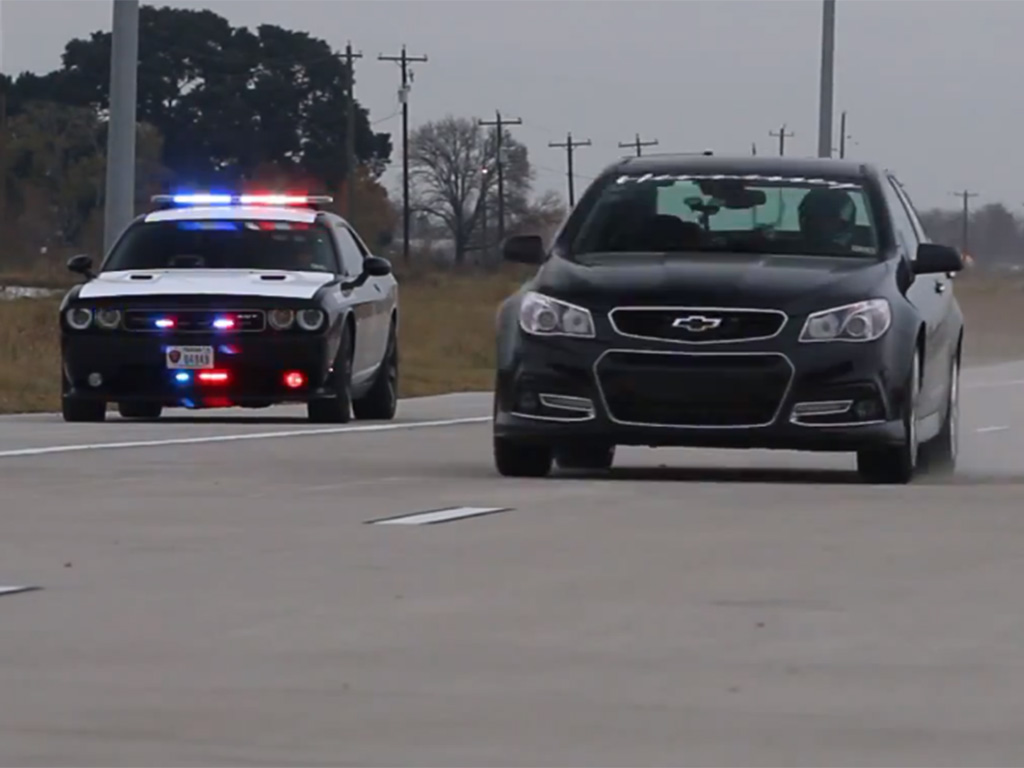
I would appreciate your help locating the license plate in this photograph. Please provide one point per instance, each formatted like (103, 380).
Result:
(189, 358)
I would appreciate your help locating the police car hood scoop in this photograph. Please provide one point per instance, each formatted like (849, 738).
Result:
(238, 282)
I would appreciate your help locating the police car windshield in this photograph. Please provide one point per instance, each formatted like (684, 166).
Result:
(677, 214)
(205, 244)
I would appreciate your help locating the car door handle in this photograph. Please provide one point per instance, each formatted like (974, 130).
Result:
(940, 287)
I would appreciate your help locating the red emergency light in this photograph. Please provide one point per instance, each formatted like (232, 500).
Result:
(213, 377)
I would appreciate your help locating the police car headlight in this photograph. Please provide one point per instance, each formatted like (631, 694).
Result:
(79, 318)
(542, 315)
(108, 319)
(863, 321)
(282, 319)
(310, 319)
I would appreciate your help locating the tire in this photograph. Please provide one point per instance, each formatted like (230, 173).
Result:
(592, 457)
(140, 410)
(897, 464)
(381, 402)
(939, 455)
(337, 409)
(513, 458)
(76, 409)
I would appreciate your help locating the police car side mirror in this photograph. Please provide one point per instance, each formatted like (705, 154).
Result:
(81, 265)
(375, 266)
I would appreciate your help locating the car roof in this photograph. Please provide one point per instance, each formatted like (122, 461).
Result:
(745, 164)
(234, 212)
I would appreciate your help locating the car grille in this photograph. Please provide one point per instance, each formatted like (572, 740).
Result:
(693, 390)
(194, 320)
(696, 325)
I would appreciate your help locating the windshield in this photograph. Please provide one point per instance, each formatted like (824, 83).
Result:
(729, 213)
(205, 244)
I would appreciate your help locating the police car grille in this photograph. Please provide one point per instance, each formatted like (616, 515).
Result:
(695, 325)
(194, 320)
(694, 390)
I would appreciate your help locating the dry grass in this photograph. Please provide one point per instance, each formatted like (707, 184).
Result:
(446, 338)
(447, 334)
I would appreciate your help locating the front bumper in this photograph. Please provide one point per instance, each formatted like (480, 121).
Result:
(814, 397)
(133, 368)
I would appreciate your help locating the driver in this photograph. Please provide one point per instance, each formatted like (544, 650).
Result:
(828, 218)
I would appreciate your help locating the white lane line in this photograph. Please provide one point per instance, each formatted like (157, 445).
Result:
(983, 430)
(16, 590)
(993, 384)
(42, 451)
(435, 516)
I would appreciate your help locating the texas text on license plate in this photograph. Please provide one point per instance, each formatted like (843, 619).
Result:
(189, 358)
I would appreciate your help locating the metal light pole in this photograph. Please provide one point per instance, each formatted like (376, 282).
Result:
(828, 52)
(124, 59)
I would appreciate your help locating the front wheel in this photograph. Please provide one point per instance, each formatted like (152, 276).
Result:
(337, 409)
(381, 402)
(896, 464)
(592, 457)
(938, 455)
(521, 459)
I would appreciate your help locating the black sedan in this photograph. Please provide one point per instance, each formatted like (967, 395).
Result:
(733, 303)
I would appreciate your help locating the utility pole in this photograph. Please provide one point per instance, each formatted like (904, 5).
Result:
(825, 96)
(753, 148)
(404, 59)
(569, 146)
(3, 161)
(842, 135)
(965, 195)
(350, 127)
(638, 144)
(499, 124)
(119, 208)
(781, 136)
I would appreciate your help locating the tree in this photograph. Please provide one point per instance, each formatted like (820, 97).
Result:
(227, 100)
(54, 168)
(453, 174)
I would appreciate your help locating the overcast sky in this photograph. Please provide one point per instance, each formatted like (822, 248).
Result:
(932, 87)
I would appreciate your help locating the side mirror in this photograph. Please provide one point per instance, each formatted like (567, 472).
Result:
(935, 259)
(81, 265)
(375, 266)
(523, 249)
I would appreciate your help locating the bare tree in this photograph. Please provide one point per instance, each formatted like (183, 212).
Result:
(452, 165)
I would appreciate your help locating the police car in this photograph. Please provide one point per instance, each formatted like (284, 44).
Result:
(232, 300)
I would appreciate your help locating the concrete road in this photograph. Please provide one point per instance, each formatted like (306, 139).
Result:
(212, 595)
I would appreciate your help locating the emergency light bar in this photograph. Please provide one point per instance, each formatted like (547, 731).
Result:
(208, 198)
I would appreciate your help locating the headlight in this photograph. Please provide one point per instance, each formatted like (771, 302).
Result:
(310, 319)
(108, 319)
(282, 319)
(863, 321)
(79, 318)
(543, 316)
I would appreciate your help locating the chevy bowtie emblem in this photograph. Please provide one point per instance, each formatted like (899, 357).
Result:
(696, 323)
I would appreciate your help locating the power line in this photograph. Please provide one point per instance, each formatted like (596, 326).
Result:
(570, 146)
(965, 195)
(499, 124)
(404, 59)
(782, 136)
(638, 144)
(350, 128)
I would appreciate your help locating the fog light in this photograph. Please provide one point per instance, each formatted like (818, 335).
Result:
(294, 379)
(867, 410)
(527, 402)
(95, 379)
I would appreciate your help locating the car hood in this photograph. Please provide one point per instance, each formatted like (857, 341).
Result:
(241, 282)
(789, 283)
